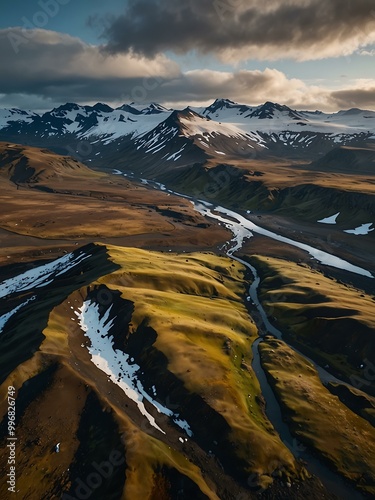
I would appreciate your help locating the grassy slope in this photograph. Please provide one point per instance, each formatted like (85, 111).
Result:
(335, 321)
(168, 291)
(300, 191)
(28, 165)
(355, 399)
(318, 417)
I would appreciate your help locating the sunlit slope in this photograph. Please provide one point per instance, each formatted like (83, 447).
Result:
(194, 302)
(182, 404)
(300, 190)
(29, 165)
(333, 320)
(319, 418)
(53, 201)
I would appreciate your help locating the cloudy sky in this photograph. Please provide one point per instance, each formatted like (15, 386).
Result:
(308, 54)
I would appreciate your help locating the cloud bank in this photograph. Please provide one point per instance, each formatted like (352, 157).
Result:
(236, 30)
(54, 68)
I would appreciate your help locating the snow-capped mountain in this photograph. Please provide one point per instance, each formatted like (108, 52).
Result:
(227, 110)
(8, 116)
(186, 137)
(100, 121)
(188, 124)
(224, 128)
(273, 118)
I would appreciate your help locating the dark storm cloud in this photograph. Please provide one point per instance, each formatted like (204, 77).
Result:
(59, 67)
(243, 29)
(53, 64)
(52, 68)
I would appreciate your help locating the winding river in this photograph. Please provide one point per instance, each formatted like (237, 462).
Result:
(243, 229)
(332, 481)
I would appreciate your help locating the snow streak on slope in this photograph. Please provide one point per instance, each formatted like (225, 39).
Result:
(158, 139)
(42, 275)
(6, 317)
(120, 368)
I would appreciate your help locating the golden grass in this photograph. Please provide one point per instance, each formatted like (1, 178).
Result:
(195, 304)
(333, 319)
(64, 200)
(65, 216)
(283, 173)
(175, 292)
(30, 164)
(319, 418)
(145, 455)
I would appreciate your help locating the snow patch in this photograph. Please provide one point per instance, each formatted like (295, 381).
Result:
(120, 368)
(41, 276)
(5, 317)
(178, 153)
(361, 230)
(330, 220)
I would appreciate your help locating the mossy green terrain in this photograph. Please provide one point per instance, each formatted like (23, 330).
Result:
(332, 321)
(201, 356)
(318, 417)
(209, 350)
(355, 399)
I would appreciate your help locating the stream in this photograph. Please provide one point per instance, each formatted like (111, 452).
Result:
(243, 229)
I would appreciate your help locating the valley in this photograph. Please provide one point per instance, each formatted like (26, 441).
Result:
(188, 301)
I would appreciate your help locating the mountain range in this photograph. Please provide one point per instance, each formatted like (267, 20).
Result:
(224, 128)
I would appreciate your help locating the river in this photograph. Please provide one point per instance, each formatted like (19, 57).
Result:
(243, 229)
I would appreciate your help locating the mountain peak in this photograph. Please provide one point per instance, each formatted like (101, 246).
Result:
(154, 108)
(69, 106)
(187, 114)
(224, 101)
(104, 108)
(220, 104)
(129, 109)
(226, 105)
(268, 109)
(354, 112)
